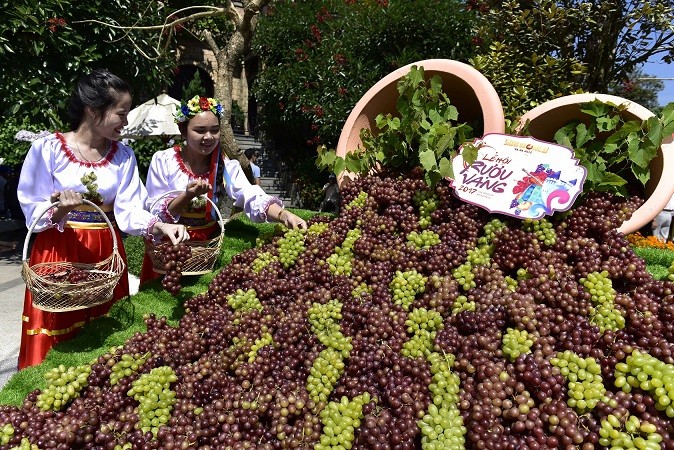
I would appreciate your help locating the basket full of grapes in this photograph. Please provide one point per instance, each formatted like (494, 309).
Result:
(203, 253)
(60, 286)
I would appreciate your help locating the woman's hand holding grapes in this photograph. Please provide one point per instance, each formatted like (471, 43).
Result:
(290, 220)
(176, 232)
(197, 187)
(68, 200)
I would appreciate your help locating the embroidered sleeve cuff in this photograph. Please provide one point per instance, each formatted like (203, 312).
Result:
(147, 232)
(270, 201)
(50, 223)
(166, 214)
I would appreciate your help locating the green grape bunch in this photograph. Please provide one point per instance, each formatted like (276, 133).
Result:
(89, 182)
(340, 420)
(244, 300)
(585, 385)
(65, 385)
(516, 342)
(290, 246)
(127, 365)
(406, 285)
(153, 392)
(442, 426)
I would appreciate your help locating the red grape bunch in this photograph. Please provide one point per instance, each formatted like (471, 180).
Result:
(70, 275)
(78, 276)
(174, 257)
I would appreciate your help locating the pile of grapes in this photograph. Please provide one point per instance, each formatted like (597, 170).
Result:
(411, 321)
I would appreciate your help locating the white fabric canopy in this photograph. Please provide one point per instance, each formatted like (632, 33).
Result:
(153, 119)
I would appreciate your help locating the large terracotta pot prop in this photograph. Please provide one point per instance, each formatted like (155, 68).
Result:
(546, 119)
(474, 97)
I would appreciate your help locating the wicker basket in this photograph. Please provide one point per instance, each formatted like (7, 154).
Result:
(204, 253)
(53, 286)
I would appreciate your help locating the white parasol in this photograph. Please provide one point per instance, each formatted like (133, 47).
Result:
(153, 119)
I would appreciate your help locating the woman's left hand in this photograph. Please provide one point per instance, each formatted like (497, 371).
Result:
(290, 220)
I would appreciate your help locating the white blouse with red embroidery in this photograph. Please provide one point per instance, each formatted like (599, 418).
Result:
(51, 166)
(168, 172)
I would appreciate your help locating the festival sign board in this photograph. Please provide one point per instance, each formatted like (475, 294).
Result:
(519, 176)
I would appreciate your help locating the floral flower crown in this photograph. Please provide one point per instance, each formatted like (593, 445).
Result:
(195, 105)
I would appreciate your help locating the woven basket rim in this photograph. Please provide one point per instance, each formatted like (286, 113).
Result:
(210, 245)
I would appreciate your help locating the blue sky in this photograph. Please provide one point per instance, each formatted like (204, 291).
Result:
(662, 70)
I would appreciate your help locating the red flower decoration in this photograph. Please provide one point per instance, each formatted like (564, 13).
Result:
(55, 22)
(339, 59)
(203, 104)
(316, 32)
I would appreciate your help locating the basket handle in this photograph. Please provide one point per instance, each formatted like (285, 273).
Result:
(221, 221)
(34, 224)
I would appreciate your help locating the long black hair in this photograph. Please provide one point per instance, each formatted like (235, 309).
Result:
(99, 90)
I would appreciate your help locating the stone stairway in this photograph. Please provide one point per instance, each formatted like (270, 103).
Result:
(269, 180)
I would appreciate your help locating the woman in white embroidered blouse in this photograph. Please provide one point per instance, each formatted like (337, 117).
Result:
(198, 167)
(87, 162)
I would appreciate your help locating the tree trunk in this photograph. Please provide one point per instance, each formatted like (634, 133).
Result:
(223, 90)
(226, 57)
(601, 45)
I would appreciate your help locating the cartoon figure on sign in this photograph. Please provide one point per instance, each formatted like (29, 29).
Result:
(535, 193)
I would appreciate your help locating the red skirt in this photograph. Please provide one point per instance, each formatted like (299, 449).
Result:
(197, 233)
(41, 330)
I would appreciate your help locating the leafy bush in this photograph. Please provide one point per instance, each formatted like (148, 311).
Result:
(615, 150)
(144, 149)
(13, 151)
(135, 250)
(425, 134)
(523, 80)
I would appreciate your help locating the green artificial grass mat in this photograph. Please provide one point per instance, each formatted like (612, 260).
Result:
(126, 316)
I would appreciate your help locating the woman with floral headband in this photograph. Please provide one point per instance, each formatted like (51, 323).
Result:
(85, 163)
(198, 167)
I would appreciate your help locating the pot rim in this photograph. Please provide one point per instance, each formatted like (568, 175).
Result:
(663, 162)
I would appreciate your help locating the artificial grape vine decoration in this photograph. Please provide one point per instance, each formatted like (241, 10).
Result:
(427, 134)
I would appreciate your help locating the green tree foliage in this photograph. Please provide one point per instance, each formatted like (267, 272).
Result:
(535, 51)
(12, 151)
(45, 46)
(320, 56)
(194, 87)
(639, 88)
(519, 53)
